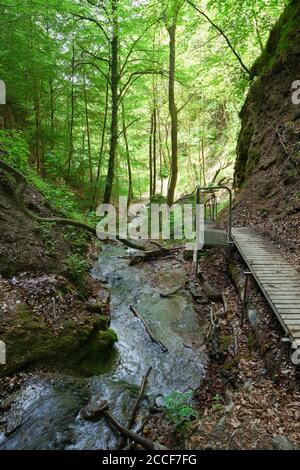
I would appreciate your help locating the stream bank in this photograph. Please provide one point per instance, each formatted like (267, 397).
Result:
(45, 412)
(242, 403)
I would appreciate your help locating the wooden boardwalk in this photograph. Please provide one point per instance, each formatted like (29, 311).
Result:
(277, 279)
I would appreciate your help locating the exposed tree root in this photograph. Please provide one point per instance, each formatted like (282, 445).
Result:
(19, 198)
(148, 330)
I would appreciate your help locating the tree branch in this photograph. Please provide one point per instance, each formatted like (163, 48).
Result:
(97, 67)
(93, 20)
(135, 76)
(127, 127)
(135, 43)
(245, 68)
(92, 54)
(186, 103)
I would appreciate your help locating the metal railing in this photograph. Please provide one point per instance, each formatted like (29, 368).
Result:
(212, 190)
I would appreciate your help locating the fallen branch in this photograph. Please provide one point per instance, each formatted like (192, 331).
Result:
(148, 330)
(114, 424)
(212, 337)
(122, 440)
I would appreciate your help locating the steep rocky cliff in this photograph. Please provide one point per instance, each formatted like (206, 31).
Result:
(267, 171)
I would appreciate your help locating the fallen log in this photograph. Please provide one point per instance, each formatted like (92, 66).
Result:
(103, 410)
(122, 440)
(148, 330)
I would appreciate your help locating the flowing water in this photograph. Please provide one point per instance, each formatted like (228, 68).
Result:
(45, 412)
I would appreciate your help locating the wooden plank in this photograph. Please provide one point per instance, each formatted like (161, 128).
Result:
(291, 316)
(293, 326)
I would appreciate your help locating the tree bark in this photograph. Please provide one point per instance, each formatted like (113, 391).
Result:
(114, 104)
(71, 141)
(88, 132)
(173, 114)
(151, 158)
(130, 185)
(96, 191)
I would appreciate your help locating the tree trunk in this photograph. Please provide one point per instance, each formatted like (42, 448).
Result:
(130, 186)
(88, 132)
(160, 153)
(173, 114)
(71, 141)
(114, 104)
(151, 158)
(96, 191)
(52, 119)
(154, 147)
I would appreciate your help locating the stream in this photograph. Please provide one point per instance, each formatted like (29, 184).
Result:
(45, 412)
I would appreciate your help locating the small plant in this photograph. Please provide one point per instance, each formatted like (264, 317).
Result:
(217, 404)
(76, 267)
(179, 409)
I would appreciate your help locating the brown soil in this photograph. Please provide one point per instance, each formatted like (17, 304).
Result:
(25, 245)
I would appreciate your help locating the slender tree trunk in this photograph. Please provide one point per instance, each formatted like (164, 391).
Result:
(52, 115)
(102, 142)
(87, 122)
(130, 185)
(160, 153)
(71, 140)
(37, 134)
(173, 114)
(151, 158)
(114, 104)
(203, 162)
(154, 147)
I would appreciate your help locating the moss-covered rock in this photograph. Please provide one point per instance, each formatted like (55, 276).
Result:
(32, 342)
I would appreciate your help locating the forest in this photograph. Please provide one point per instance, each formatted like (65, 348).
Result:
(149, 225)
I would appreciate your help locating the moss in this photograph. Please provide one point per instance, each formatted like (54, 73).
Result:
(30, 341)
(285, 33)
(225, 342)
(251, 343)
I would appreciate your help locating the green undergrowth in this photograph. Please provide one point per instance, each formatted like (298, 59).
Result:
(61, 199)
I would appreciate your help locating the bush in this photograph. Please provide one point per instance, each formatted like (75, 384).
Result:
(179, 409)
(76, 268)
